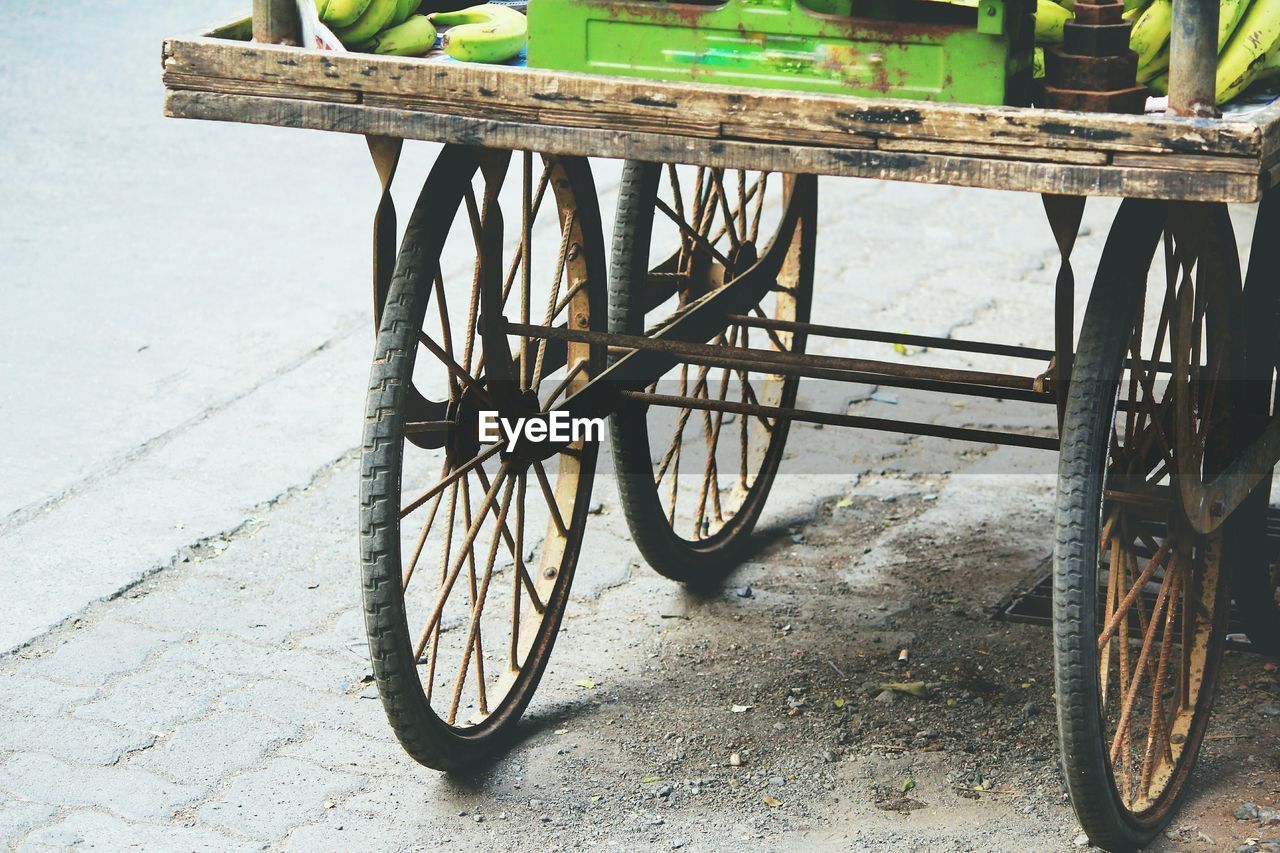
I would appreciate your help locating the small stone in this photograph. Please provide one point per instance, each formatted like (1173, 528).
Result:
(830, 756)
(596, 507)
(1246, 811)
(479, 818)
(744, 592)
(886, 697)
(1030, 709)
(665, 791)
(1082, 840)
(797, 538)
(776, 781)
(1268, 816)
(678, 843)
(735, 759)
(545, 818)
(1269, 710)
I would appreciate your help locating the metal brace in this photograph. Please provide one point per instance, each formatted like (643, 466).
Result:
(1065, 213)
(385, 151)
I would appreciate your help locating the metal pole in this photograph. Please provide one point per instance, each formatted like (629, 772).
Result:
(1193, 58)
(275, 22)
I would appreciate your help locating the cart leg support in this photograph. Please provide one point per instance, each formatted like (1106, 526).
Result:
(1193, 58)
(275, 22)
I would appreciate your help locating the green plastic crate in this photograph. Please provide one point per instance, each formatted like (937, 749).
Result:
(919, 49)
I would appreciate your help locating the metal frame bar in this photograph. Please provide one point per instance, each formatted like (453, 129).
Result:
(972, 383)
(877, 336)
(862, 422)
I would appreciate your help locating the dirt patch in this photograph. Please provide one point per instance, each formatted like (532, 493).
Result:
(784, 711)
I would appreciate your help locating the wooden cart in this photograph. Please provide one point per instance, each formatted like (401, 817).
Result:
(694, 343)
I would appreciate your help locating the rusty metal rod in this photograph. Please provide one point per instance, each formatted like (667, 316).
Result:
(970, 382)
(733, 361)
(893, 338)
(858, 421)
(1193, 58)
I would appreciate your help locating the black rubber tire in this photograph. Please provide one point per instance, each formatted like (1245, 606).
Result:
(422, 733)
(700, 564)
(1091, 405)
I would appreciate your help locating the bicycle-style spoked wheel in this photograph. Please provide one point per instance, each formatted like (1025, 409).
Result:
(1140, 598)
(693, 481)
(468, 550)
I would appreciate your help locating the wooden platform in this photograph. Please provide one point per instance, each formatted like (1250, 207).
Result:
(224, 77)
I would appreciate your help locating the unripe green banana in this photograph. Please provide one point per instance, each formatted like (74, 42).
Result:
(404, 9)
(414, 37)
(1230, 14)
(369, 24)
(1159, 85)
(1158, 64)
(1050, 19)
(1037, 63)
(1151, 31)
(487, 33)
(1247, 51)
(341, 13)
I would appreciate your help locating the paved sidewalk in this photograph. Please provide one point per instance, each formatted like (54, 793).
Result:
(223, 701)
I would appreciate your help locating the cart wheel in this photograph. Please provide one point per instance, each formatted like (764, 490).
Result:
(693, 482)
(468, 551)
(1140, 599)
(1256, 576)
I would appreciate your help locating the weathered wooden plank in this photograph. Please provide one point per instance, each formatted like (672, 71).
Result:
(746, 130)
(274, 90)
(1057, 178)
(1190, 162)
(686, 126)
(1268, 118)
(801, 115)
(1010, 152)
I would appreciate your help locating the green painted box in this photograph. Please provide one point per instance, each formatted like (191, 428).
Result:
(966, 52)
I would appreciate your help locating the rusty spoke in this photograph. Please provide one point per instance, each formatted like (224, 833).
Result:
(451, 478)
(426, 528)
(689, 232)
(473, 628)
(456, 568)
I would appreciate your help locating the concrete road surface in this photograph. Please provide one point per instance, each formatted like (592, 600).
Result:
(186, 338)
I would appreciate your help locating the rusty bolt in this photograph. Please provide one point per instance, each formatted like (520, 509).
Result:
(549, 572)
(574, 251)
(1217, 509)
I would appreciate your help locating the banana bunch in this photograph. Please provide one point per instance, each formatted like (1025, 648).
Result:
(388, 27)
(1050, 19)
(1248, 44)
(486, 33)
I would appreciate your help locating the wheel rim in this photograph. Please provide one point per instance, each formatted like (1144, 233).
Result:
(1160, 585)
(488, 541)
(711, 470)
